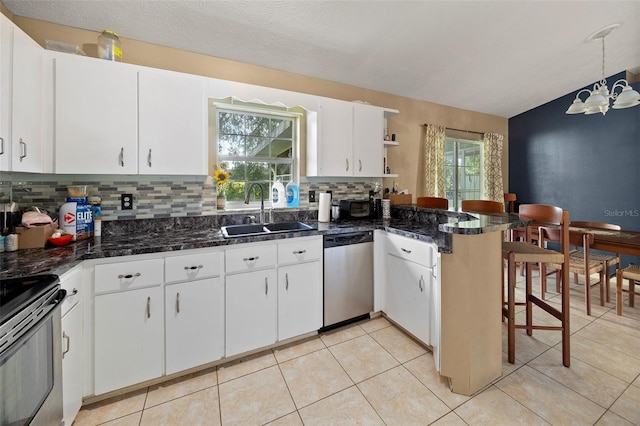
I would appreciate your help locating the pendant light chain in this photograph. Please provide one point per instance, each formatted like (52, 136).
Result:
(603, 56)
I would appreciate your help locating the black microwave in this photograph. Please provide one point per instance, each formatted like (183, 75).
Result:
(355, 209)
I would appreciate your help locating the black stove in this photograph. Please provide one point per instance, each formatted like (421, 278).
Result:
(18, 293)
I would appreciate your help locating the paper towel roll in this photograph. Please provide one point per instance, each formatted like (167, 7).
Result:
(324, 207)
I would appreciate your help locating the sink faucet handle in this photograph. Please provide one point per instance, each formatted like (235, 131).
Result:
(249, 219)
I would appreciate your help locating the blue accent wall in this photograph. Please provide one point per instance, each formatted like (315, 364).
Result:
(586, 164)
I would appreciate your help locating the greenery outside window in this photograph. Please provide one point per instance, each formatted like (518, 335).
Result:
(463, 171)
(257, 146)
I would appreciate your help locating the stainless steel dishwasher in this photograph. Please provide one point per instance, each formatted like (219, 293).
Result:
(348, 278)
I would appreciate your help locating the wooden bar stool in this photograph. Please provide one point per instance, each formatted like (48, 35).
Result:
(482, 206)
(631, 273)
(433, 202)
(523, 251)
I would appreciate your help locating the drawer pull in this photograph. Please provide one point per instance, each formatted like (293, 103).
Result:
(299, 252)
(148, 307)
(128, 276)
(405, 250)
(251, 259)
(192, 267)
(177, 303)
(66, 337)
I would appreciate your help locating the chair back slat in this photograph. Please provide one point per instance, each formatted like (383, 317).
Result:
(482, 206)
(596, 225)
(433, 202)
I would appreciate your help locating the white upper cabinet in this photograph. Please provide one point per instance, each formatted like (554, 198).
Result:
(6, 31)
(349, 140)
(95, 116)
(21, 76)
(368, 129)
(172, 123)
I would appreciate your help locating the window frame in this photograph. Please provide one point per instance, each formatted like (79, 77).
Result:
(266, 111)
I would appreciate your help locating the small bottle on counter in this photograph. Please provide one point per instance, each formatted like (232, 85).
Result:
(96, 207)
(11, 242)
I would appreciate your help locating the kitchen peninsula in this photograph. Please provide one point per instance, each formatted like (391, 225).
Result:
(468, 248)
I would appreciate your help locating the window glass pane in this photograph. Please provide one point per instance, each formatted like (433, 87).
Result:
(257, 126)
(230, 123)
(258, 146)
(231, 145)
(463, 171)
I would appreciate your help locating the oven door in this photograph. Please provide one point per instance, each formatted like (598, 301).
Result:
(31, 371)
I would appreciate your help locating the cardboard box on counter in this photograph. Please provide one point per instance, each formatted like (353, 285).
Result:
(35, 237)
(399, 198)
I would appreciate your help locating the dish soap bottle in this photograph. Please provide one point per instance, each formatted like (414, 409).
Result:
(278, 197)
(293, 194)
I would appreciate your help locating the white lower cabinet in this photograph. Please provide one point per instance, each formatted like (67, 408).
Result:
(128, 338)
(251, 305)
(299, 299)
(194, 323)
(72, 363)
(411, 298)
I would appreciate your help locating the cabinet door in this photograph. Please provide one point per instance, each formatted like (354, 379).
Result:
(72, 363)
(96, 113)
(172, 130)
(368, 129)
(408, 299)
(26, 112)
(6, 34)
(335, 134)
(299, 299)
(251, 303)
(128, 338)
(194, 317)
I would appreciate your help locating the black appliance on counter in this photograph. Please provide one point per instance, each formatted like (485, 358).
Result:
(31, 350)
(355, 209)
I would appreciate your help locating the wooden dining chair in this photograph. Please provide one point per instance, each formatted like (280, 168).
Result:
(433, 202)
(523, 251)
(632, 274)
(510, 200)
(482, 206)
(580, 263)
(607, 259)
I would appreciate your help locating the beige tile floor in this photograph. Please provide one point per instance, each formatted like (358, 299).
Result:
(372, 374)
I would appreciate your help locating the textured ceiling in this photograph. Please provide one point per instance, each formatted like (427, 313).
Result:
(496, 57)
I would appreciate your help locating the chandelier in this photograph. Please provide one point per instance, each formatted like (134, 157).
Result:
(599, 97)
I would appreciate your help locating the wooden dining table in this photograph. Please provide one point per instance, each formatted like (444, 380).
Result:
(622, 242)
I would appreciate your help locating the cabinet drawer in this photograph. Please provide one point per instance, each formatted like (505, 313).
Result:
(128, 275)
(72, 282)
(193, 266)
(250, 258)
(299, 250)
(411, 249)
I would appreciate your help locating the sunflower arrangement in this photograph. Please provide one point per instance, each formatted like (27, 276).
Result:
(221, 177)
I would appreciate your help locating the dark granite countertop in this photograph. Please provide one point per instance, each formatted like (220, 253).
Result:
(155, 236)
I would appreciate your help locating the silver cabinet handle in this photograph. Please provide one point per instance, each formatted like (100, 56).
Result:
(405, 250)
(74, 292)
(177, 303)
(148, 307)
(266, 285)
(299, 251)
(286, 280)
(149, 158)
(251, 259)
(121, 157)
(1, 146)
(360, 163)
(127, 276)
(193, 267)
(421, 283)
(66, 337)
(347, 164)
(23, 149)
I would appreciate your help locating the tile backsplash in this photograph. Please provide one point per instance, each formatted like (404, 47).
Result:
(153, 196)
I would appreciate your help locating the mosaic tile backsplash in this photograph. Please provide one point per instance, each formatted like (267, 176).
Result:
(154, 197)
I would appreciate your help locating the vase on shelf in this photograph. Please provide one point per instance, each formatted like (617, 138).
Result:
(221, 201)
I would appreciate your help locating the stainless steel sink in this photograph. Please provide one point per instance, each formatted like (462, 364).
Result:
(263, 228)
(287, 226)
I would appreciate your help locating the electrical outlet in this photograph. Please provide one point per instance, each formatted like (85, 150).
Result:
(312, 196)
(126, 201)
